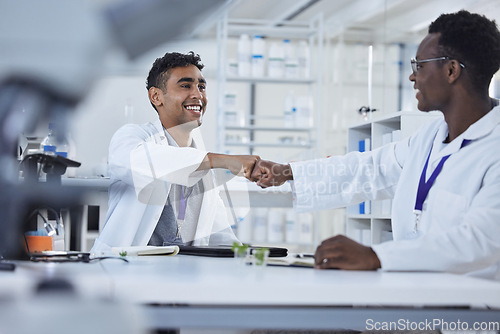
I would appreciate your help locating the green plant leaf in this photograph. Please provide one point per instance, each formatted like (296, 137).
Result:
(260, 255)
(239, 249)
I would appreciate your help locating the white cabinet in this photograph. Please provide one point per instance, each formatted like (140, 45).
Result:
(370, 222)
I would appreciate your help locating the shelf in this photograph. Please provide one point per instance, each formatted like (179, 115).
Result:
(260, 102)
(368, 216)
(271, 80)
(260, 128)
(381, 129)
(269, 145)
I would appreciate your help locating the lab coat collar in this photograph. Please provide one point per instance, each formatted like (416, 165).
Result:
(161, 137)
(479, 129)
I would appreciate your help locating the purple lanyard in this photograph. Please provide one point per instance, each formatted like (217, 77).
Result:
(424, 187)
(182, 206)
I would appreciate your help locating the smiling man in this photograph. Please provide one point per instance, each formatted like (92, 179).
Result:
(444, 180)
(163, 189)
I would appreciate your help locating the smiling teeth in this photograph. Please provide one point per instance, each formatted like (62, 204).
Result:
(195, 108)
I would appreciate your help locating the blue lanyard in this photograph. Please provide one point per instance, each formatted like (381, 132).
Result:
(424, 187)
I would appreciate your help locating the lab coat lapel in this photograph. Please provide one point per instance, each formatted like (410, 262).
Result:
(160, 137)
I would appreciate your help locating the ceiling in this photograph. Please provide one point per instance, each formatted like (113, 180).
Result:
(362, 20)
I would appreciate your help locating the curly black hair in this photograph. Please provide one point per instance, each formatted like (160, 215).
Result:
(159, 73)
(472, 39)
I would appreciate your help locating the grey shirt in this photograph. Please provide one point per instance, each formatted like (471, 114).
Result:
(168, 224)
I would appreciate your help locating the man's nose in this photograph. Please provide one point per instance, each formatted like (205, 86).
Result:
(197, 93)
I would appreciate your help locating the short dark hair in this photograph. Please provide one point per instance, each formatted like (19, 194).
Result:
(472, 39)
(158, 75)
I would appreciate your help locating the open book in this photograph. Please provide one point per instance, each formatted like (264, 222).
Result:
(146, 250)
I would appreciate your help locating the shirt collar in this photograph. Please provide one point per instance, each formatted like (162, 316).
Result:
(481, 128)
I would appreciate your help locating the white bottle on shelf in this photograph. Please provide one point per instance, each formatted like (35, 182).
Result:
(303, 55)
(289, 110)
(291, 62)
(275, 225)
(304, 111)
(290, 226)
(232, 67)
(258, 56)
(244, 226)
(260, 224)
(306, 221)
(244, 56)
(276, 61)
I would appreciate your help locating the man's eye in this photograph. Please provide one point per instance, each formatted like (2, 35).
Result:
(202, 87)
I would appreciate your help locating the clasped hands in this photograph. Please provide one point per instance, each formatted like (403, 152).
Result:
(264, 172)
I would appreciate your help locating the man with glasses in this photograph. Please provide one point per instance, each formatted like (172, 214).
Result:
(444, 180)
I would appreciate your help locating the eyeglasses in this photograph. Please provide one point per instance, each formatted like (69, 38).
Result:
(415, 63)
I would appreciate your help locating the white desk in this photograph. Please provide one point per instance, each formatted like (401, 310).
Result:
(189, 291)
(197, 292)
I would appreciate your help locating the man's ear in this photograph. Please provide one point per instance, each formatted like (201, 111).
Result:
(155, 95)
(454, 70)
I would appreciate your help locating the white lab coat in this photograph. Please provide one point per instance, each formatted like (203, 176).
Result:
(142, 167)
(459, 229)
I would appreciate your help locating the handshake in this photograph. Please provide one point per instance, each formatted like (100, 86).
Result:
(264, 172)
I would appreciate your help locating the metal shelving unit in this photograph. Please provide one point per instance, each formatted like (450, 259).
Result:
(261, 125)
(311, 31)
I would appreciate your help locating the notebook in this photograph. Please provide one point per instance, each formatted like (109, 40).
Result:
(226, 251)
(146, 250)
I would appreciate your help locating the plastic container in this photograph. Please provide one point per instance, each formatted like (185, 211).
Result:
(55, 142)
(244, 56)
(289, 110)
(306, 221)
(48, 144)
(290, 226)
(275, 225)
(304, 114)
(291, 62)
(258, 56)
(304, 61)
(276, 61)
(260, 224)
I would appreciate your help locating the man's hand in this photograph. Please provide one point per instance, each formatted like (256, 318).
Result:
(267, 173)
(240, 165)
(340, 252)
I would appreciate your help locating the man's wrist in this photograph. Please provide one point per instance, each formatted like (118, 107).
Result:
(287, 172)
(215, 160)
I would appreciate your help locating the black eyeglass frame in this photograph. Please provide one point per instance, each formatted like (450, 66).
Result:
(414, 62)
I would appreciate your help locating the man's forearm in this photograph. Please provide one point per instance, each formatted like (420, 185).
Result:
(241, 165)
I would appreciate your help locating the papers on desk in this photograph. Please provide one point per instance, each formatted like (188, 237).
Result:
(146, 250)
(292, 261)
